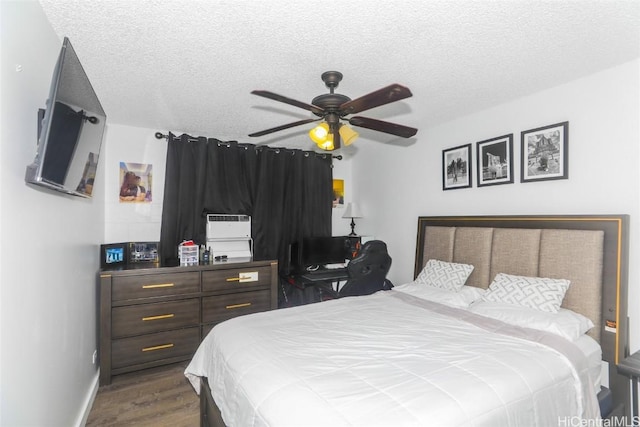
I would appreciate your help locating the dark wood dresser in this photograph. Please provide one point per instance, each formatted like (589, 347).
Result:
(156, 316)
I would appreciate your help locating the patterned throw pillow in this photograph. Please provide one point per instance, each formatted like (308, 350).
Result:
(540, 293)
(444, 275)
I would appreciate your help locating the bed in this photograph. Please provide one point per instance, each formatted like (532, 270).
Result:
(463, 350)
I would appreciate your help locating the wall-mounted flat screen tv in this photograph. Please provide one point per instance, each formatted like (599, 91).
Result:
(70, 130)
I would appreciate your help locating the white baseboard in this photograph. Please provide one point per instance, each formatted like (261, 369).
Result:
(88, 401)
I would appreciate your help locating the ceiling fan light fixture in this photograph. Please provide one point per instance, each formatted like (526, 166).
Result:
(347, 134)
(333, 107)
(320, 133)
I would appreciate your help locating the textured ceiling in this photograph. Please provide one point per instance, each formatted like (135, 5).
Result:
(189, 66)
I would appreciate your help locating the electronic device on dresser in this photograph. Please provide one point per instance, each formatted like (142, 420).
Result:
(70, 131)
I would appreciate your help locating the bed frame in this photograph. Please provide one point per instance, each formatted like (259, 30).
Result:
(209, 412)
(589, 250)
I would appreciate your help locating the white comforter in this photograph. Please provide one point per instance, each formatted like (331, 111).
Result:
(388, 359)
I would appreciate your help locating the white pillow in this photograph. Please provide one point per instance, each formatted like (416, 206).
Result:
(565, 323)
(540, 293)
(460, 299)
(444, 275)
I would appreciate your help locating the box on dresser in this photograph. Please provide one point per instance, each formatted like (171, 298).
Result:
(158, 315)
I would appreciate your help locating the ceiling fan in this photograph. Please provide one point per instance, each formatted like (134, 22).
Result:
(332, 108)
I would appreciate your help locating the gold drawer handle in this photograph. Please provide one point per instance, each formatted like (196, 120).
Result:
(161, 316)
(245, 304)
(160, 285)
(247, 276)
(157, 347)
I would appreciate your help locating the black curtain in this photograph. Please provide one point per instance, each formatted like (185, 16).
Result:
(287, 193)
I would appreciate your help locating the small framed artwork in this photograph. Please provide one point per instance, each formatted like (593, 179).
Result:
(456, 167)
(545, 153)
(495, 161)
(113, 255)
(135, 182)
(338, 193)
(143, 252)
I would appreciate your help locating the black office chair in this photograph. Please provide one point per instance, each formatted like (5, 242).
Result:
(367, 271)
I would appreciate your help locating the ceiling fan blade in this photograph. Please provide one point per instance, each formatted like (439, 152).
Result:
(386, 95)
(386, 127)
(266, 94)
(283, 127)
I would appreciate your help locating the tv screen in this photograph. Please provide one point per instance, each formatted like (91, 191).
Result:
(323, 250)
(70, 130)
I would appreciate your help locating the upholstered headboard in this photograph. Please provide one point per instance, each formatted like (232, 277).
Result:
(590, 251)
(575, 255)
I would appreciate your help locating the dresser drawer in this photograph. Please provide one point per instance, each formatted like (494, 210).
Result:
(236, 279)
(222, 307)
(147, 318)
(152, 347)
(155, 285)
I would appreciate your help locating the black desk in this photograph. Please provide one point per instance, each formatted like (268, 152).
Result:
(321, 279)
(325, 275)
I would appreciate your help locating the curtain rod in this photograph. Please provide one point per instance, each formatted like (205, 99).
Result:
(160, 135)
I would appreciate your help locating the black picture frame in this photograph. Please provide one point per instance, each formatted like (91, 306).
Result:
(545, 153)
(114, 255)
(495, 161)
(143, 252)
(456, 167)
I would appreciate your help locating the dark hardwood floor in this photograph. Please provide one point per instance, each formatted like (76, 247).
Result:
(153, 397)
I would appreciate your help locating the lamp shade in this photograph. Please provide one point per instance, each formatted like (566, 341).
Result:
(347, 134)
(352, 211)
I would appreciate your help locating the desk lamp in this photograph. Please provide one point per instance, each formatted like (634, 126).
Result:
(352, 211)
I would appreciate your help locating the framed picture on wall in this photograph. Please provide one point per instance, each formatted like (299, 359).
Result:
(135, 182)
(545, 153)
(456, 167)
(338, 193)
(495, 161)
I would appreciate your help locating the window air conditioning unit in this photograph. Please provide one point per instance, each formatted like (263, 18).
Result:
(229, 236)
(220, 226)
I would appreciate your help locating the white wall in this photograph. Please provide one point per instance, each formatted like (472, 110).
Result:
(603, 111)
(48, 247)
